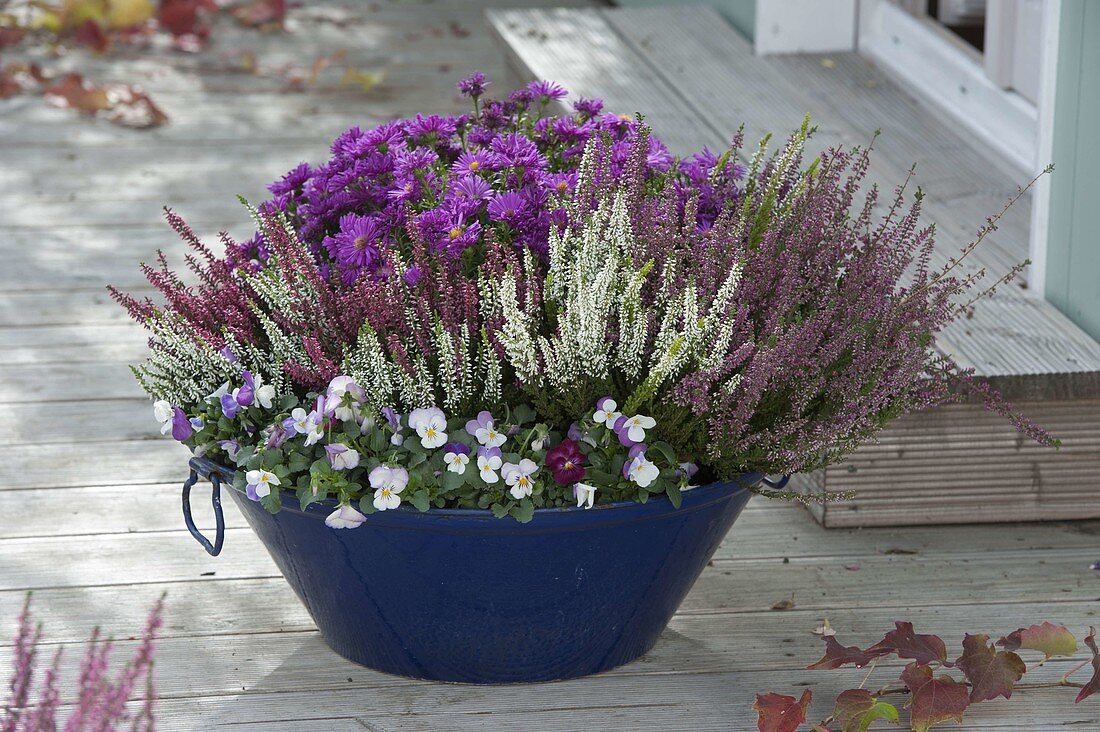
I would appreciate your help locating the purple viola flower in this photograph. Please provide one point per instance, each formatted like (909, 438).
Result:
(279, 435)
(547, 91)
(230, 406)
(688, 469)
(574, 432)
(341, 457)
(566, 462)
(484, 430)
(227, 353)
(473, 86)
(246, 393)
(231, 447)
(181, 425)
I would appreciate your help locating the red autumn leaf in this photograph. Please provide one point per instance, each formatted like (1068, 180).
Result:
(857, 709)
(186, 18)
(131, 107)
(261, 13)
(907, 644)
(10, 36)
(1093, 685)
(90, 34)
(837, 655)
(72, 91)
(9, 87)
(934, 700)
(781, 713)
(991, 673)
(1047, 638)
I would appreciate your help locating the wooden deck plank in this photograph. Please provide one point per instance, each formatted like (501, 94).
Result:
(89, 491)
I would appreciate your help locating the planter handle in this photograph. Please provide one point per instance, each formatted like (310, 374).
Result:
(777, 485)
(215, 501)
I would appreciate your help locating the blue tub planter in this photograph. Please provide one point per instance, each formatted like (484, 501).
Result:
(459, 595)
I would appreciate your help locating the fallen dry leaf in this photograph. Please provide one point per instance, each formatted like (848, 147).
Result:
(366, 80)
(787, 604)
(260, 13)
(73, 92)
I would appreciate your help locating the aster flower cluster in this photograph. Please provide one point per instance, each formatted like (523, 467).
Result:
(606, 324)
(447, 181)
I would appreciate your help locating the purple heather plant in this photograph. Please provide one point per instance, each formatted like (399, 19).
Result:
(610, 314)
(101, 701)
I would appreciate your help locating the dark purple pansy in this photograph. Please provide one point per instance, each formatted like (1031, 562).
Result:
(566, 462)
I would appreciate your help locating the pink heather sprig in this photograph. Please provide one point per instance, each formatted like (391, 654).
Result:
(101, 702)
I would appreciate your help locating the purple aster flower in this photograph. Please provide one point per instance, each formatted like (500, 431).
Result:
(461, 234)
(546, 91)
(293, 181)
(508, 207)
(517, 151)
(357, 244)
(473, 86)
(411, 276)
(473, 188)
(470, 163)
(588, 108)
(181, 425)
(566, 462)
(431, 125)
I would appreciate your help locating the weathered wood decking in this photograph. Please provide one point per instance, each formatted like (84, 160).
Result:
(89, 493)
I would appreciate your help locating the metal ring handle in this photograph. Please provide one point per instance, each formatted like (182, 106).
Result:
(776, 484)
(215, 501)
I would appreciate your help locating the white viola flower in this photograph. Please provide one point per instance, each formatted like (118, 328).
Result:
(636, 426)
(218, 393)
(484, 430)
(431, 425)
(388, 483)
(258, 483)
(341, 457)
(456, 462)
(488, 463)
(518, 477)
(606, 412)
(585, 494)
(264, 393)
(345, 517)
(423, 415)
(343, 398)
(298, 422)
(641, 471)
(397, 439)
(163, 413)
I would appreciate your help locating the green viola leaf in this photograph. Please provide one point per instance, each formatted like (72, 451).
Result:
(673, 493)
(420, 500)
(272, 502)
(524, 511)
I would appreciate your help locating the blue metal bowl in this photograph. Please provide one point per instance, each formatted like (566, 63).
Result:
(459, 595)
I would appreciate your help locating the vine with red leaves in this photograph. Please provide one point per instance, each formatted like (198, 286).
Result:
(988, 670)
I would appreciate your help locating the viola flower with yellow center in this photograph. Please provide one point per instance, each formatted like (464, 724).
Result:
(518, 476)
(431, 425)
(388, 483)
(258, 483)
(566, 462)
